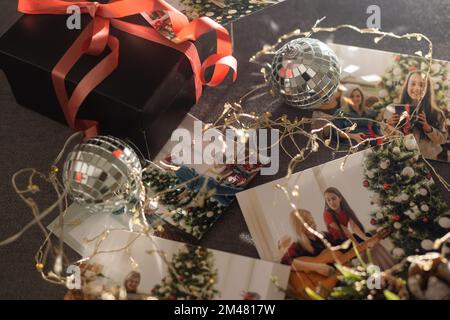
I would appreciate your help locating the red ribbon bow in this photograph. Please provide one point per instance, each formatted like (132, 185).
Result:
(95, 37)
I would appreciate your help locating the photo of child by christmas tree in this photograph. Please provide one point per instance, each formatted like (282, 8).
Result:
(383, 93)
(379, 207)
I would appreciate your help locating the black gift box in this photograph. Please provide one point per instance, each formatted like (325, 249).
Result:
(143, 100)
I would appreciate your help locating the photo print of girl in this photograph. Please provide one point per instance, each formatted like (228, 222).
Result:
(376, 88)
(311, 260)
(424, 119)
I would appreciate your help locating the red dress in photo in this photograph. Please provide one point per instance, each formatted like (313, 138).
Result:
(380, 255)
(336, 233)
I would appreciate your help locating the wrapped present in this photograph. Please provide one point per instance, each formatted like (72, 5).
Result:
(115, 75)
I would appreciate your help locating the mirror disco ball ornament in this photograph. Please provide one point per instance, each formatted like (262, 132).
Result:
(305, 72)
(103, 174)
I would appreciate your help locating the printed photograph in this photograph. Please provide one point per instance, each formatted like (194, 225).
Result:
(207, 192)
(393, 89)
(221, 11)
(155, 268)
(382, 199)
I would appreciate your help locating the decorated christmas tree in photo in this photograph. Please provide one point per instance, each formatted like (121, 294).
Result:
(159, 180)
(191, 276)
(190, 210)
(197, 219)
(408, 200)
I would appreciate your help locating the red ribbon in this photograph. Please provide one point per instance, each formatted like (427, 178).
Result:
(95, 37)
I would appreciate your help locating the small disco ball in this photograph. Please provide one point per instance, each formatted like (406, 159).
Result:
(305, 72)
(103, 174)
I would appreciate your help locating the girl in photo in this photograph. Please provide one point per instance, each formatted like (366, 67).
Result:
(131, 284)
(429, 127)
(354, 108)
(340, 218)
(306, 244)
(304, 273)
(342, 224)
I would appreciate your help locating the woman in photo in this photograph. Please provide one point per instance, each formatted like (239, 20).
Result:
(342, 224)
(307, 244)
(428, 122)
(340, 218)
(131, 285)
(353, 110)
(310, 273)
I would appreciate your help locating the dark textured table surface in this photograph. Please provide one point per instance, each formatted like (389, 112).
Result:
(31, 140)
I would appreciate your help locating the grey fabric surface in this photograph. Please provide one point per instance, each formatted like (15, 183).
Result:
(31, 140)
